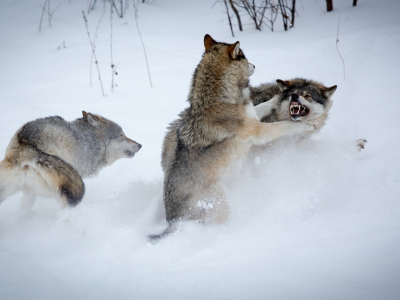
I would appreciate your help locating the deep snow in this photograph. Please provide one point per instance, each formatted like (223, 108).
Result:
(313, 221)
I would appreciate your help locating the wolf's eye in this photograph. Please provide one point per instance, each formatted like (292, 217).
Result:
(308, 97)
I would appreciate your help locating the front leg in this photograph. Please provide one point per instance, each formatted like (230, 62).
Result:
(264, 109)
(267, 132)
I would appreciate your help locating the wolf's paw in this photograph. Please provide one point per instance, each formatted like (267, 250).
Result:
(309, 127)
(360, 144)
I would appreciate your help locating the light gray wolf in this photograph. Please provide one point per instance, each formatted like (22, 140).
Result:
(48, 157)
(206, 146)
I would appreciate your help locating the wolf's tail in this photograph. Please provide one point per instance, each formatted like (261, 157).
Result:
(172, 227)
(59, 175)
(56, 174)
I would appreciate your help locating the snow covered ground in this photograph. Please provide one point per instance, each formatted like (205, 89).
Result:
(316, 221)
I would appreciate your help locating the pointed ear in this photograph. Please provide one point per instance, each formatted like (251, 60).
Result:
(283, 85)
(233, 50)
(84, 114)
(328, 92)
(93, 119)
(208, 41)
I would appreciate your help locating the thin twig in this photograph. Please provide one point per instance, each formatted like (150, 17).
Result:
(94, 42)
(237, 15)
(48, 12)
(93, 51)
(140, 35)
(41, 17)
(319, 6)
(337, 41)
(229, 17)
(62, 45)
(52, 13)
(111, 36)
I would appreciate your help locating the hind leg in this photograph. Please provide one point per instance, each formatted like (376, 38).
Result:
(9, 180)
(27, 201)
(214, 207)
(64, 203)
(7, 191)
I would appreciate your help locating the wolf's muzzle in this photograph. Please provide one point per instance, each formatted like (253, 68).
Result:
(296, 109)
(251, 69)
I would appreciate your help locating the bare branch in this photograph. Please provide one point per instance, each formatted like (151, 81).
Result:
(229, 17)
(41, 17)
(111, 36)
(337, 41)
(94, 42)
(93, 51)
(144, 49)
(237, 15)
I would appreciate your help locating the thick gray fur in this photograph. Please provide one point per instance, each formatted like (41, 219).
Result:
(48, 157)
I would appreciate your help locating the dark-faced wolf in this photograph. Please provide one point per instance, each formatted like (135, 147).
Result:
(297, 99)
(49, 157)
(205, 147)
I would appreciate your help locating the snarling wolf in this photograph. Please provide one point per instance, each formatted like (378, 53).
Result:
(49, 157)
(297, 99)
(205, 147)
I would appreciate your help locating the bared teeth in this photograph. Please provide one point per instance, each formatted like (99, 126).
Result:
(297, 109)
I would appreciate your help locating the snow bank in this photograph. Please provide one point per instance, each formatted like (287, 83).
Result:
(311, 221)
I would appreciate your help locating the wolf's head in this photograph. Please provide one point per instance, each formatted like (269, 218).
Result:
(223, 71)
(219, 89)
(305, 100)
(117, 144)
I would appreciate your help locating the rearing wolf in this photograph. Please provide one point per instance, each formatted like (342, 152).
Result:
(205, 147)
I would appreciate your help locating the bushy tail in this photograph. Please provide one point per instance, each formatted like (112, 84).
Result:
(58, 174)
(172, 227)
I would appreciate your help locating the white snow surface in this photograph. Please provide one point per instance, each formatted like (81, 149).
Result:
(317, 220)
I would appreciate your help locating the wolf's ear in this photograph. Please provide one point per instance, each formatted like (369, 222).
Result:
(233, 50)
(208, 41)
(328, 92)
(92, 119)
(84, 114)
(283, 85)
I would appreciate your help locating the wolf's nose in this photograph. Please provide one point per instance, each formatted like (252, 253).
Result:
(295, 97)
(139, 146)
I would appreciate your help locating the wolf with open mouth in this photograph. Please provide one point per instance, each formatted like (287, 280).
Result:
(297, 100)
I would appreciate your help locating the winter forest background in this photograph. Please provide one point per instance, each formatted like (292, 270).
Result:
(316, 221)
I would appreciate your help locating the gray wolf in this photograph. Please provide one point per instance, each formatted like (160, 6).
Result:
(210, 140)
(48, 157)
(297, 99)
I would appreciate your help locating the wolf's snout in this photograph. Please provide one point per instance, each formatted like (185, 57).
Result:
(251, 69)
(296, 109)
(139, 146)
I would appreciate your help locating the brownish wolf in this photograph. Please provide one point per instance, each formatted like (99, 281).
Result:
(205, 147)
